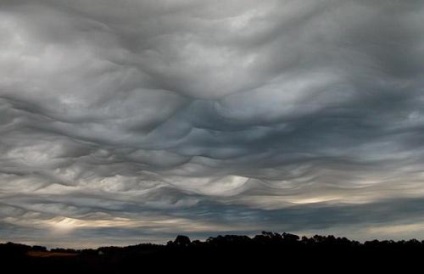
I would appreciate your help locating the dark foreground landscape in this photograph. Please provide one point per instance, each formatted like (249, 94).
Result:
(268, 251)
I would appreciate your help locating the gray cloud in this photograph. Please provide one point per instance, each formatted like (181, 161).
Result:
(142, 119)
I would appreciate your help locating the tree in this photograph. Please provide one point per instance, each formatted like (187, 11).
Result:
(182, 241)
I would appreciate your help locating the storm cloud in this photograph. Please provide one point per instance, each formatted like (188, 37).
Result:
(135, 120)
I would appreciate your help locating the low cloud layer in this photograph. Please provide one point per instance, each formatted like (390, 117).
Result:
(135, 120)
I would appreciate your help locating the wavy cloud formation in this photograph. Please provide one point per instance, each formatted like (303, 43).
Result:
(133, 120)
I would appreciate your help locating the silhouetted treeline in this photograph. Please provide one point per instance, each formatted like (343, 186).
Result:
(268, 251)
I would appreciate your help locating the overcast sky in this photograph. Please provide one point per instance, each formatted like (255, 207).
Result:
(135, 120)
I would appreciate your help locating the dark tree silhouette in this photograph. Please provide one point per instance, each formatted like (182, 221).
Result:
(182, 241)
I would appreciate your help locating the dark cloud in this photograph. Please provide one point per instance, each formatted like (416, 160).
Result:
(148, 118)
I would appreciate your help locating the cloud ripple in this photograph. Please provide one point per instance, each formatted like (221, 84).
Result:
(142, 119)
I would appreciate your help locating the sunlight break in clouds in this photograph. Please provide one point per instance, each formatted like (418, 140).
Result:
(135, 120)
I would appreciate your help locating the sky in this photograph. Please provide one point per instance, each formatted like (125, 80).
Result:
(136, 120)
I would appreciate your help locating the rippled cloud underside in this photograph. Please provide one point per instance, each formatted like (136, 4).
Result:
(134, 120)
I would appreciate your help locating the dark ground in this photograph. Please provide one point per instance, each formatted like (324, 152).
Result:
(266, 252)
